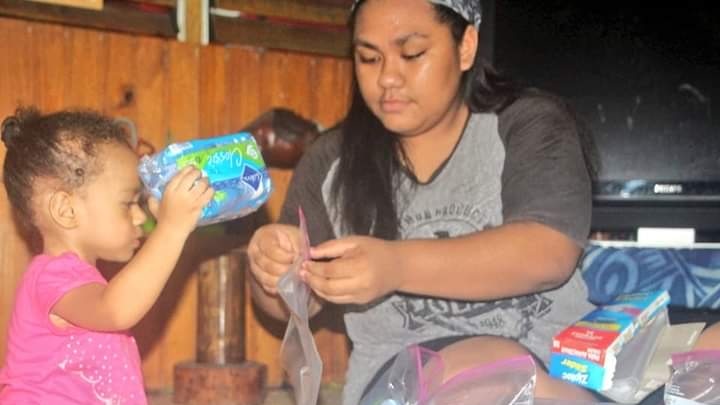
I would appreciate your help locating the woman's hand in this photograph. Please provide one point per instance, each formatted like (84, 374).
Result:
(359, 270)
(271, 251)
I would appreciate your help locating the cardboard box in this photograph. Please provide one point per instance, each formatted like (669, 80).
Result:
(586, 352)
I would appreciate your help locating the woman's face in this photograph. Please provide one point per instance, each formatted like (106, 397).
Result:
(407, 64)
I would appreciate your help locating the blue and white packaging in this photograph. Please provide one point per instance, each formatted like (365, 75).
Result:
(232, 164)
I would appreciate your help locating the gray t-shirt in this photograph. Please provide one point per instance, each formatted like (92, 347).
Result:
(525, 164)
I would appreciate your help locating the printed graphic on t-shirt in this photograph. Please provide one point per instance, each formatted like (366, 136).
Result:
(443, 222)
(466, 318)
(512, 317)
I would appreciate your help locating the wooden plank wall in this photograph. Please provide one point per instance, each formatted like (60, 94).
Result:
(172, 91)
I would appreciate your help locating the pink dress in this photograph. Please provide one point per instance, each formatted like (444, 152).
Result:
(48, 365)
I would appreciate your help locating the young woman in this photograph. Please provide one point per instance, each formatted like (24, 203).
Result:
(449, 209)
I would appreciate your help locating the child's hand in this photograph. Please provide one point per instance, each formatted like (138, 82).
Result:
(182, 202)
(271, 250)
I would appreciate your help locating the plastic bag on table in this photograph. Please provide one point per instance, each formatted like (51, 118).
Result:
(414, 373)
(299, 355)
(504, 382)
(232, 164)
(543, 401)
(415, 378)
(628, 385)
(695, 379)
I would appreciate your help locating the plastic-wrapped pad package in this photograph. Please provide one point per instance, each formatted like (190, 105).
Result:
(232, 164)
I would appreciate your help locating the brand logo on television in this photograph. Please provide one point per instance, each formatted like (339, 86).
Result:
(660, 188)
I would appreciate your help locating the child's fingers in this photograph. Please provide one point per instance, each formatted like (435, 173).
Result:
(153, 205)
(184, 179)
(207, 195)
(200, 185)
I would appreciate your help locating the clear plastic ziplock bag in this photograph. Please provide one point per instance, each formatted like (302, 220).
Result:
(628, 385)
(232, 164)
(414, 373)
(544, 401)
(299, 355)
(505, 382)
(415, 378)
(695, 379)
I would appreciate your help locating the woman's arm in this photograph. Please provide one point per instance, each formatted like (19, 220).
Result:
(510, 260)
(546, 214)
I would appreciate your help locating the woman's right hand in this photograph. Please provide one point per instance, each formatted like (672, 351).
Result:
(271, 251)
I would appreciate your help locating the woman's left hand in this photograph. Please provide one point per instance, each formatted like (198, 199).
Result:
(356, 269)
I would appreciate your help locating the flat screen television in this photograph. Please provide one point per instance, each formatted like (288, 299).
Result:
(646, 81)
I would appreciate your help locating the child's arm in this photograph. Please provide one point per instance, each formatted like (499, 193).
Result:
(133, 291)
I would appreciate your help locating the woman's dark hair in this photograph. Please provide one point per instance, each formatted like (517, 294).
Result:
(371, 155)
(60, 147)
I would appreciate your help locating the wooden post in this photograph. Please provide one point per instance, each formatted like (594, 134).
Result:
(193, 21)
(221, 317)
(220, 375)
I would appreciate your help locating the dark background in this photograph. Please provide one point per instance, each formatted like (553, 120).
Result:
(645, 79)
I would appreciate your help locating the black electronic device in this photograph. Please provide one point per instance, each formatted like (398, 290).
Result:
(646, 81)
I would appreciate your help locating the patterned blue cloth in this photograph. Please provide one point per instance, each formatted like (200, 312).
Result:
(692, 276)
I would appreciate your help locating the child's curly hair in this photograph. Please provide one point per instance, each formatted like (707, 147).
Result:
(59, 147)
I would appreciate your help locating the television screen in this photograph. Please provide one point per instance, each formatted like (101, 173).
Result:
(646, 80)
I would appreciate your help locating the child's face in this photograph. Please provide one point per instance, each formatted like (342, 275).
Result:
(109, 215)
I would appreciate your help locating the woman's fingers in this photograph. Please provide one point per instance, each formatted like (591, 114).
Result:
(338, 291)
(337, 281)
(360, 271)
(345, 299)
(278, 249)
(266, 280)
(333, 248)
(285, 243)
(267, 271)
(335, 269)
(271, 252)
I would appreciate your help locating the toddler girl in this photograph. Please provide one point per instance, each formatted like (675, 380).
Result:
(71, 178)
